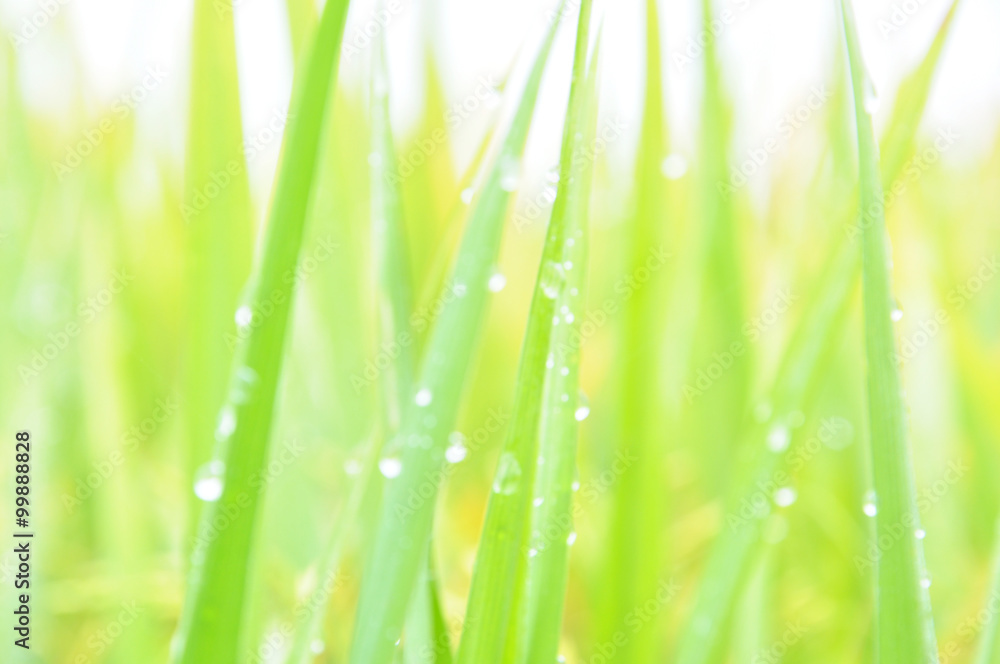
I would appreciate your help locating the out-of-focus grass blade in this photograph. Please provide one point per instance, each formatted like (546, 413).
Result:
(210, 625)
(219, 236)
(904, 625)
(395, 277)
(405, 525)
(636, 545)
(302, 19)
(395, 304)
(989, 642)
(734, 552)
(551, 523)
(897, 144)
(492, 630)
(329, 560)
(427, 640)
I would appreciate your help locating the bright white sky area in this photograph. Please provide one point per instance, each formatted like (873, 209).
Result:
(774, 52)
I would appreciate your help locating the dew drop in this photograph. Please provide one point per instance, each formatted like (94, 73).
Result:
(390, 467)
(227, 424)
(508, 474)
(576, 485)
(552, 278)
(778, 439)
(925, 582)
(244, 384)
(785, 496)
(510, 173)
(870, 99)
(497, 282)
(244, 315)
(673, 166)
(456, 453)
(896, 315)
(571, 539)
(420, 441)
(762, 411)
(423, 398)
(352, 467)
(920, 533)
(870, 508)
(582, 407)
(317, 646)
(549, 363)
(208, 482)
(467, 195)
(460, 290)
(532, 553)
(537, 502)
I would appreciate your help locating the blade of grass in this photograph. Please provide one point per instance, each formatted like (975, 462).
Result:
(551, 531)
(636, 545)
(989, 642)
(210, 625)
(427, 640)
(897, 144)
(219, 237)
(405, 525)
(394, 298)
(302, 20)
(733, 553)
(329, 560)
(492, 627)
(904, 626)
(423, 642)
(723, 309)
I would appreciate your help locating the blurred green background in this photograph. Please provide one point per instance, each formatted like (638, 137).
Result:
(127, 237)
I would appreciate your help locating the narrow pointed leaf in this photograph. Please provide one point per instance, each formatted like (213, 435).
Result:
(211, 622)
(491, 626)
(405, 525)
(904, 629)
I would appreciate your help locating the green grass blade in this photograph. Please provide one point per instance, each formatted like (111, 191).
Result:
(405, 525)
(395, 277)
(904, 625)
(302, 18)
(330, 559)
(897, 143)
(989, 642)
(491, 621)
(427, 640)
(734, 551)
(210, 626)
(551, 521)
(219, 235)
(636, 545)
